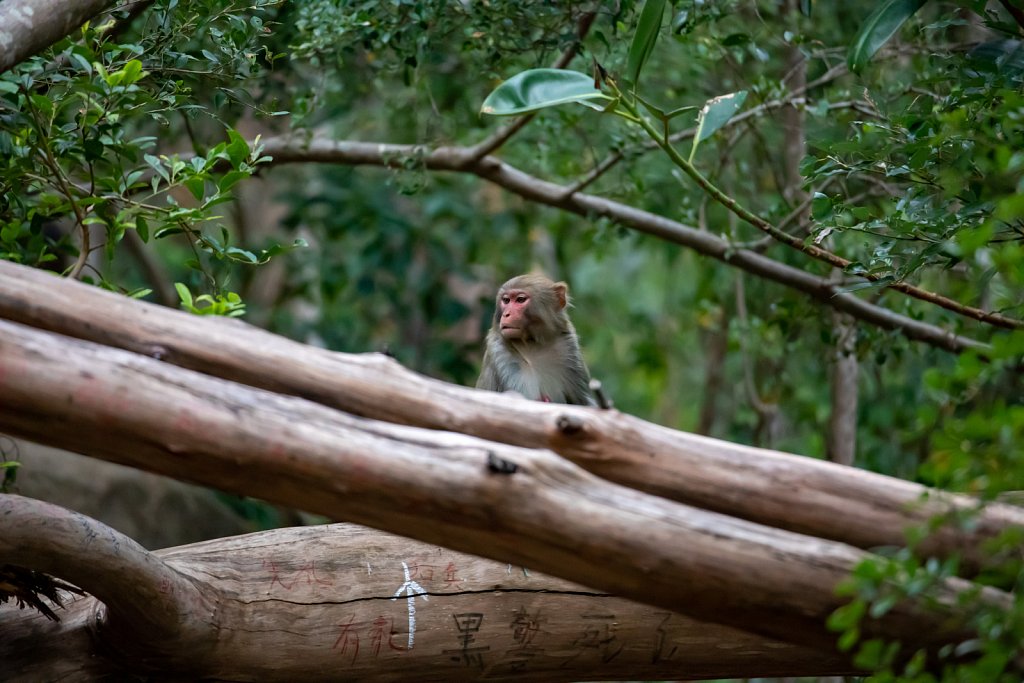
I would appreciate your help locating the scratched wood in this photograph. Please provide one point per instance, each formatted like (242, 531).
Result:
(537, 509)
(343, 602)
(810, 496)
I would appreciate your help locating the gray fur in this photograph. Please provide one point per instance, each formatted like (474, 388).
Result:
(553, 369)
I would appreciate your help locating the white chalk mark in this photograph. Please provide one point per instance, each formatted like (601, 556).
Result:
(411, 589)
(368, 570)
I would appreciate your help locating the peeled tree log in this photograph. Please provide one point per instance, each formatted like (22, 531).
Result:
(30, 26)
(342, 602)
(509, 503)
(776, 489)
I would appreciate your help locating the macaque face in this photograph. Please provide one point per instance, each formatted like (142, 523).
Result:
(513, 318)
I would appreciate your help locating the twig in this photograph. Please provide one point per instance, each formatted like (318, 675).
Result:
(791, 99)
(503, 134)
(812, 250)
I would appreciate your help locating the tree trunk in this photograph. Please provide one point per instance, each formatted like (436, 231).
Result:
(512, 504)
(769, 487)
(29, 26)
(343, 602)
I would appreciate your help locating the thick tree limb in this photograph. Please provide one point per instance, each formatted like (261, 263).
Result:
(158, 610)
(769, 487)
(29, 26)
(319, 603)
(512, 504)
(319, 150)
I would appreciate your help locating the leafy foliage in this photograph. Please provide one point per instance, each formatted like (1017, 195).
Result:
(81, 124)
(145, 135)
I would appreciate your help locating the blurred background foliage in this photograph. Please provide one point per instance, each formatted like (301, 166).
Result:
(915, 166)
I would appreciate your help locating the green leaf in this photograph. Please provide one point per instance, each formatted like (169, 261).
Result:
(238, 150)
(8, 87)
(197, 186)
(886, 20)
(157, 165)
(646, 36)
(133, 72)
(715, 113)
(142, 227)
(184, 294)
(537, 89)
(229, 179)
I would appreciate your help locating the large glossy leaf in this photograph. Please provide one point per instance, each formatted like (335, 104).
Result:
(887, 18)
(541, 88)
(645, 37)
(715, 113)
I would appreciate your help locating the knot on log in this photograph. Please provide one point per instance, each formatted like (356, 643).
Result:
(500, 465)
(157, 351)
(569, 425)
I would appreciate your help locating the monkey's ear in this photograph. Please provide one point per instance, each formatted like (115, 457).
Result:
(561, 291)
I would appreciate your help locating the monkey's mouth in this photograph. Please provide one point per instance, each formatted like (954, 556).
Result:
(509, 331)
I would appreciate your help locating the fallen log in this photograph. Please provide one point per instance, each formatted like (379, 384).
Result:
(800, 494)
(342, 602)
(525, 506)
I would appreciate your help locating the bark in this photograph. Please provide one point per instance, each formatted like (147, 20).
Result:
(716, 344)
(29, 26)
(318, 150)
(519, 505)
(845, 375)
(842, 424)
(773, 488)
(344, 602)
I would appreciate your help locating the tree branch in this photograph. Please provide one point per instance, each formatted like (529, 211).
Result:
(769, 487)
(30, 26)
(812, 250)
(538, 510)
(157, 610)
(319, 150)
(323, 599)
(502, 135)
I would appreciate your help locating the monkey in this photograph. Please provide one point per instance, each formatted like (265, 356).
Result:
(532, 347)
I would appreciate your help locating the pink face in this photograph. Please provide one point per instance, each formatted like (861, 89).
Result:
(513, 319)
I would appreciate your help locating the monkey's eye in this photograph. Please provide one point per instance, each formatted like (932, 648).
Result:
(505, 299)
(521, 299)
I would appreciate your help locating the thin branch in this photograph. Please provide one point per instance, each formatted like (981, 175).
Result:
(64, 185)
(320, 150)
(502, 135)
(792, 99)
(812, 250)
